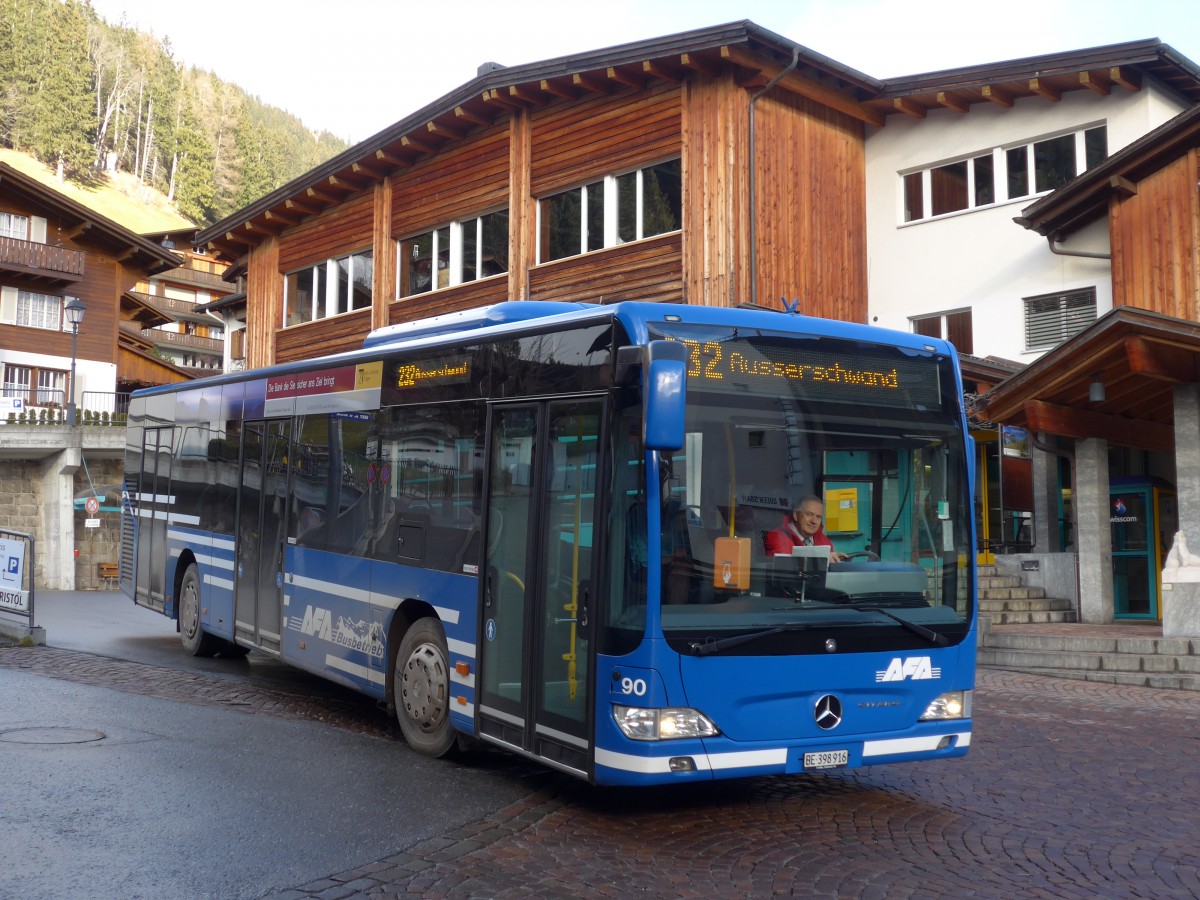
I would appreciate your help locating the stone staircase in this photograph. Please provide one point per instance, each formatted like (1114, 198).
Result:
(1023, 630)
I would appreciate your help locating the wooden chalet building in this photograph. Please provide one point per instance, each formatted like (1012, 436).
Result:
(714, 167)
(53, 248)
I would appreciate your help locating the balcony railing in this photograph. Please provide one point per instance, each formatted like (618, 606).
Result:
(195, 276)
(31, 255)
(208, 345)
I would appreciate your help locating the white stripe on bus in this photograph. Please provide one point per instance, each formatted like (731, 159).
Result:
(380, 601)
(364, 672)
(562, 736)
(912, 745)
(216, 582)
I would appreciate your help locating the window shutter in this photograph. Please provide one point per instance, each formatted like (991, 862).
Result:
(37, 229)
(8, 305)
(1053, 318)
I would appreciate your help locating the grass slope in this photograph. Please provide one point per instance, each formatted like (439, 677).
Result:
(117, 196)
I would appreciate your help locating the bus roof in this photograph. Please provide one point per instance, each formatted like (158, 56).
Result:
(515, 317)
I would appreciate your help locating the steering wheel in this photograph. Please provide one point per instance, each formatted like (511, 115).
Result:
(868, 555)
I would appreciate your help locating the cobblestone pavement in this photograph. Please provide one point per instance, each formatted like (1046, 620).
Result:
(1071, 789)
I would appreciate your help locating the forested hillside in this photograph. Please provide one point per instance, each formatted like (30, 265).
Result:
(88, 98)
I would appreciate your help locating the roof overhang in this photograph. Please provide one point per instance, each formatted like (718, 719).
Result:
(1086, 199)
(85, 224)
(1100, 70)
(1139, 357)
(755, 54)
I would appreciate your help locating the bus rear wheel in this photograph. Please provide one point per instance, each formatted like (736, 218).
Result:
(421, 689)
(194, 639)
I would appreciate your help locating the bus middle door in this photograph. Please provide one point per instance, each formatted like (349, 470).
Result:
(262, 531)
(535, 663)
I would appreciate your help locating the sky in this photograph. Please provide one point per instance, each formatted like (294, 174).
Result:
(355, 67)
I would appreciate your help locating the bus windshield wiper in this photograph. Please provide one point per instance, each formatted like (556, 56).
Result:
(709, 646)
(928, 633)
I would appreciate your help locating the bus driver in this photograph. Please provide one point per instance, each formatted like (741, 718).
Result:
(802, 527)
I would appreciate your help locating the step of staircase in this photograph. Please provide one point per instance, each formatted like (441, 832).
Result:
(1005, 601)
(1143, 661)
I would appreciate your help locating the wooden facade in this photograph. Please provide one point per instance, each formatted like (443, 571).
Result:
(1155, 235)
(515, 137)
(100, 261)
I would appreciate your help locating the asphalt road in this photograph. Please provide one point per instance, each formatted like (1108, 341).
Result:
(228, 783)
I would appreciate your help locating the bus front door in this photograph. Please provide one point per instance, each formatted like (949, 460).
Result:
(262, 530)
(535, 632)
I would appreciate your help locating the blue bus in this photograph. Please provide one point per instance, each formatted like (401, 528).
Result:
(553, 528)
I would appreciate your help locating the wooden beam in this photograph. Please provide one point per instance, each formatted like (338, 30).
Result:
(236, 238)
(470, 117)
(343, 184)
(368, 169)
(1160, 362)
(588, 83)
(76, 231)
(1080, 423)
(656, 68)
(806, 87)
(500, 99)
(302, 208)
(997, 95)
(416, 144)
(634, 81)
(950, 101)
(557, 89)
(696, 64)
(910, 108)
(321, 196)
(1044, 89)
(1096, 81)
(519, 94)
(1126, 78)
(1122, 186)
(285, 221)
(125, 254)
(391, 159)
(443, 132)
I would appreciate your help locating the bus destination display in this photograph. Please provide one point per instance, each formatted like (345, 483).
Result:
(841, 372)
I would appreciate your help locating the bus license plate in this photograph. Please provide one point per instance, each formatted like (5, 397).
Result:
(827, 759)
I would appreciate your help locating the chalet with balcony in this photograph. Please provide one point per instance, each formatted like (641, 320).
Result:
(52, 249)
(190, 339)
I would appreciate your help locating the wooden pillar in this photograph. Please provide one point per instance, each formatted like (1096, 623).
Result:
(383, 289)
(522, 211)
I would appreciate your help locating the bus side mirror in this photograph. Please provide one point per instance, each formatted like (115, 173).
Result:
(664, 374)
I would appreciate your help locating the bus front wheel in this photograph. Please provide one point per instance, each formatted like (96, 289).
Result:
(421, 689)
(195, 641)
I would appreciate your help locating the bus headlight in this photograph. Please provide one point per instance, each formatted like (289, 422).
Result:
(640, 724)
(951, 705)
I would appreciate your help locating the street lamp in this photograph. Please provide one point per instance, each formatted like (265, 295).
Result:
(74, 310)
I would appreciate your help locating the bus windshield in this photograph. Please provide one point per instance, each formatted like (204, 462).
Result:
(814, 505)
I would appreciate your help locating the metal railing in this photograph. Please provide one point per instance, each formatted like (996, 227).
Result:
(51, 398)
(95, 407)
(32, 255)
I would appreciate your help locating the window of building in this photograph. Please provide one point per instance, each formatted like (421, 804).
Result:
(1021, 170)
(614, 210)
(1052, 318)
(458, 253)
(14, 226)
(39, 310)
(329, 288)
(35, 385)
(954, 327)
